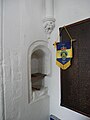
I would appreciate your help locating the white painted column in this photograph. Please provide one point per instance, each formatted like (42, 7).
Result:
(49, 20)
(49, 8)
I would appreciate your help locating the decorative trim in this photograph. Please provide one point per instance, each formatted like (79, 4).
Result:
(49, 25)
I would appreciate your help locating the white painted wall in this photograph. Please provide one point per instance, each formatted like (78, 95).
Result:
(22, 25)
(66, 12)
(1, 100)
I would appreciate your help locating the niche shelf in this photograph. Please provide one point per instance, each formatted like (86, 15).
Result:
(36, 79)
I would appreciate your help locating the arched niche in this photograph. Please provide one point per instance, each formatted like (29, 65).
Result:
(39, 67)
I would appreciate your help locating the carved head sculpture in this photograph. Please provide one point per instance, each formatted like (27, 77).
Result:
(49, 25)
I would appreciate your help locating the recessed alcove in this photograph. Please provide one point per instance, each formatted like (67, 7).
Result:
(39, 59)
(37, 70)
